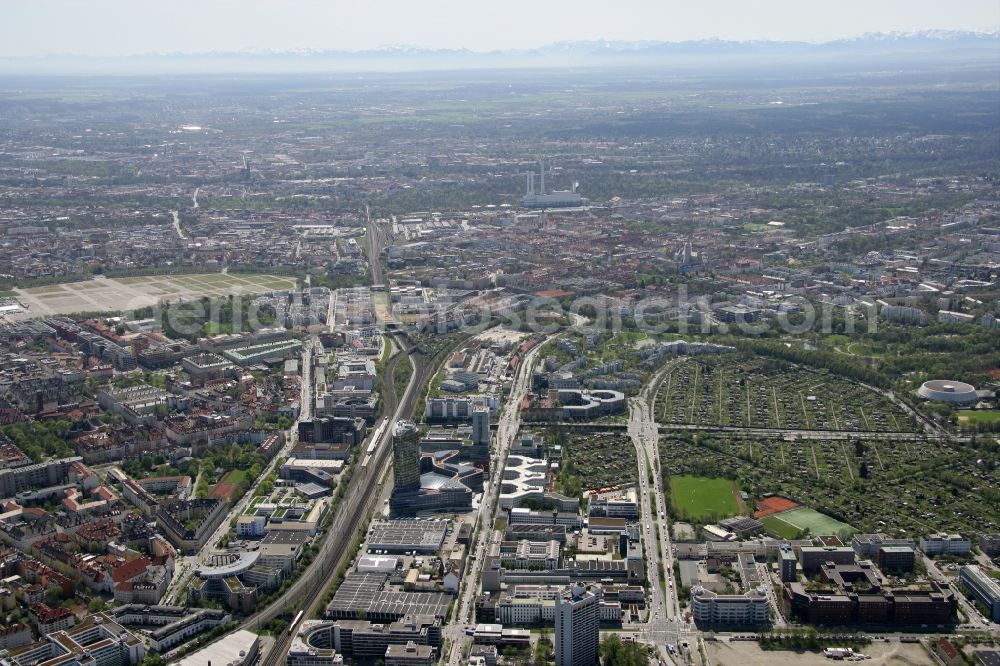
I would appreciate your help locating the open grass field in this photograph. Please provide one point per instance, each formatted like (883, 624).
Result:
(816, 522)
(781, 528)
(702, 498)
(129, 293)
(229, 484)
(979, 416)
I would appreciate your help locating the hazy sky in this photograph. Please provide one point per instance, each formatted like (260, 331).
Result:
(117, 27)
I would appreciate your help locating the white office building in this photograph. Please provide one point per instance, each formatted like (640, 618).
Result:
(710, 609)
(945, 544)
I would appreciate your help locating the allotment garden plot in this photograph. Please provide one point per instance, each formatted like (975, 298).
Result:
(763, 393)
(598, 460)
(872, 484)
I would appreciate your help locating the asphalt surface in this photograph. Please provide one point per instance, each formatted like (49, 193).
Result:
(507, 429)
(664, 624)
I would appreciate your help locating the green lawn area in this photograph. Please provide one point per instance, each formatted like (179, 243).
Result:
(234, 476)
(230, 485)
(863, 349)
(215, 328)
(7, 294)
(703, 498)
(837, 340)
(780, 527)
(979, 416)
(277, 285)
(817, 523)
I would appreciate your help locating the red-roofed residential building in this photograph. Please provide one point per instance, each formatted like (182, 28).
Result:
(97, 534)
(37, 572)
(142, 580)
(948, 653)
(48, 620)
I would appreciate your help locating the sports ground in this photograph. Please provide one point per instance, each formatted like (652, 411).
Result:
(699, 497)
(788, 523)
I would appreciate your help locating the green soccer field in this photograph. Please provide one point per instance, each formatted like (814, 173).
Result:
(780, 527)
(817, 523)
(701, 498)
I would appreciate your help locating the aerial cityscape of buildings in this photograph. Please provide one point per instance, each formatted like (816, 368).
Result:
(293, 372)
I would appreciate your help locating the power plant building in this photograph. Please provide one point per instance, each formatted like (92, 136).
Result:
(555, 199)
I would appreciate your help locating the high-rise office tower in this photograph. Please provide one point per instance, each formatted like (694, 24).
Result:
(481, 426)
(406, 455)
(578, 627)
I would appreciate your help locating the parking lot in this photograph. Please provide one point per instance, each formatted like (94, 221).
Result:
(749, 653)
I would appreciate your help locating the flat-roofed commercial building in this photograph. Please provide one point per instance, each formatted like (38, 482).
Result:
(263, 352)
(239, 648)
(97, 641)
(400, 536)
(740, 610)
(410, 654)
(945, 544)
(983, 587)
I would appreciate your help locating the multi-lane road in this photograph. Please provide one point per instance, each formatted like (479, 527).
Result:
(664, 625)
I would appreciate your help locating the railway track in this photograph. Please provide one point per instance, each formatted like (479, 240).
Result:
(359, 500)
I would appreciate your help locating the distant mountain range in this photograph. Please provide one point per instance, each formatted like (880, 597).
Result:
(936, 43)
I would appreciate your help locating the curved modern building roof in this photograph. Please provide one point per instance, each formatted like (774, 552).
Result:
(944, 390)
(523, 479)
(581, 403)
(229, 564)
